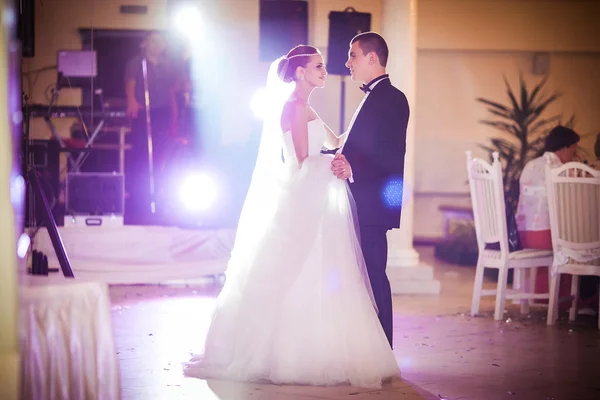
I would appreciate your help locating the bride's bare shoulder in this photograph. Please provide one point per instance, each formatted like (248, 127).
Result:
(294, 110)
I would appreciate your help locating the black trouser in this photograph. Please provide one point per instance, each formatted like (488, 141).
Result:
(137, 171)
(375, 249)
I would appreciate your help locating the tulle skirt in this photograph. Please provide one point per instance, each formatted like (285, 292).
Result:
(296, 307)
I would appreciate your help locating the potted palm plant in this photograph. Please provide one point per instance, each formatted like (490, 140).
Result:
(524, 127)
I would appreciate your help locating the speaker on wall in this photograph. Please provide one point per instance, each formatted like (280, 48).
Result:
(283, 25)
(26, 26)
(343, 26)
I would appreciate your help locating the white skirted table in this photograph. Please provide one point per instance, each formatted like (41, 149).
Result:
(66, 338)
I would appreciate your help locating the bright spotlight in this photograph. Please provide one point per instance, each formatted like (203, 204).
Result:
(264, 103)
(187, 20)
(198, 192)
(259, 104)
(17, 190)
(23, 245)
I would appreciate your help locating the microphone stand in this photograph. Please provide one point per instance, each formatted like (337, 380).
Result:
(149, 135)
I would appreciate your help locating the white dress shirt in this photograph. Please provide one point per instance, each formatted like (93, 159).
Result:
(532, 211)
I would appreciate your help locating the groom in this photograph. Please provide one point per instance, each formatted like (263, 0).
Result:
(373, 161)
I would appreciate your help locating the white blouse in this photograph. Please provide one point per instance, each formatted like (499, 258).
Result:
(532, 210)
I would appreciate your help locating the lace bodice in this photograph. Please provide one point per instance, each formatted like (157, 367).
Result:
(316, 138)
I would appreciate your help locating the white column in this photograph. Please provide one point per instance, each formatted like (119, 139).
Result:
(399, 28)
(9, 346)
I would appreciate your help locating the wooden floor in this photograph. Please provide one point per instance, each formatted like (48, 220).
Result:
(442, 352)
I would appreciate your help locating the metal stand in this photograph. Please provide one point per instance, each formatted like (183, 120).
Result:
(91, 139)
(34, 180)
(34, 184)
(75, 164)
(149, 136)
(48, 120)
(342, 102)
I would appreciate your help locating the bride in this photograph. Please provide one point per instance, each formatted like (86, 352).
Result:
(297, 306)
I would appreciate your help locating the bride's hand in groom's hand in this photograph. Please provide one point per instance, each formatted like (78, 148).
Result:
(341, 167)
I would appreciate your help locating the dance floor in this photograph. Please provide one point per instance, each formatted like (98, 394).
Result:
(443, 353)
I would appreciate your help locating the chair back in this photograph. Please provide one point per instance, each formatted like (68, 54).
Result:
(574, 205)
(487, 198)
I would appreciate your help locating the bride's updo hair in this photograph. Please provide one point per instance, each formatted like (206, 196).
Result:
(299, 56)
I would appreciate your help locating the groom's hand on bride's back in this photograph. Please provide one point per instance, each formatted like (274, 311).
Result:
(341, 167)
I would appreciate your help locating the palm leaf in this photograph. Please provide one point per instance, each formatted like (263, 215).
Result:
(524, 95)
(493, 104)
(537, 89)
(487, 148)
(504, 145)
(538, 141)
(540, 108)
(503, 126)
(503, 114)
(570, 122)
(544, 122)
(516, 109)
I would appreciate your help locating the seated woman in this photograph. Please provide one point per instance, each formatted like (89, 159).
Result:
(533, 217)
(596, 164)
(588, 285)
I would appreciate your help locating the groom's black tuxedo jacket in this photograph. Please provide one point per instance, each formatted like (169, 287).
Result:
(375, 149)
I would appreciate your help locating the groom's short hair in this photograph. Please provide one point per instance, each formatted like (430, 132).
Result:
(371, 41)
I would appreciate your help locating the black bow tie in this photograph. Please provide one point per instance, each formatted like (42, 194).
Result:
(367, 87)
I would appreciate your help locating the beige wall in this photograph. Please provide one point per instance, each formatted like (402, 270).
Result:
(465, 46)
(506, 25)
(447, 115)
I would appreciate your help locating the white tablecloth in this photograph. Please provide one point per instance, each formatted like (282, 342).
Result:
(67, 346)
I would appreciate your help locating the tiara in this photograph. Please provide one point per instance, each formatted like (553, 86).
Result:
(301, 55)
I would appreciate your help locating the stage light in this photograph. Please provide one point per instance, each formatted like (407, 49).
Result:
(17, 191)
(23, 245)
(264, 103)
(198, 192)
(392, 193)
(187, 20)
(259, 104)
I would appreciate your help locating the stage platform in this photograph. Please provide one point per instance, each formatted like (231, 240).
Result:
(139, 254)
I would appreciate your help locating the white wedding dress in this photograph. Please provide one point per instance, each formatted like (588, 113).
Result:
(296, 309)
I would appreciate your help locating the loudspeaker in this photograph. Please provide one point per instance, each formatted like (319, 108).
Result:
(95, 194)
(343, 26)
(283, 25)
(25, 11)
